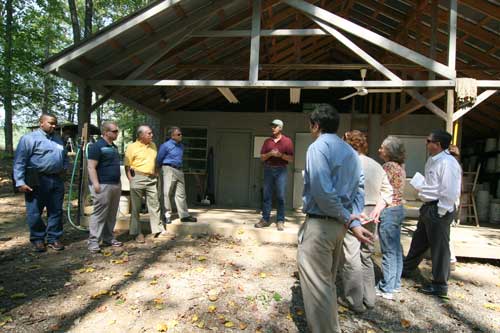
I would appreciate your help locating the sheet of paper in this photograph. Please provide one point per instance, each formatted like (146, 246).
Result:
(417, 181)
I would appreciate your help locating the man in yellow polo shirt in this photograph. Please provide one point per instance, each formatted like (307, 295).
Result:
(140, 165)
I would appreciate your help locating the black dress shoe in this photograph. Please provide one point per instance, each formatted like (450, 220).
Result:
(188, 219)
(435, 290)
(56, 246)
(39, 247)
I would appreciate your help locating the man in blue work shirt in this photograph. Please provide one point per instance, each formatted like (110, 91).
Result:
(333, 198)
(39, 166)
(170, 159)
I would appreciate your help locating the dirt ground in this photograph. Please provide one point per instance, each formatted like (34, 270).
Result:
(203, 283)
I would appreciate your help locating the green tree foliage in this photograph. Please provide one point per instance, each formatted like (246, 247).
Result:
(40, 29)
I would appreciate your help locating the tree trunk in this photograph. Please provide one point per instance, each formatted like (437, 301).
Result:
(75, 23)
(7, 93)
(98, 113)
(47, 83)
(89, 12)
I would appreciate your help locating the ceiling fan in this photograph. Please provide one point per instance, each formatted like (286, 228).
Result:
(362, 91)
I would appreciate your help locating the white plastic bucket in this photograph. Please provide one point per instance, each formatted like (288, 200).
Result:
(123, 207)
(498, 189)
(483, 205)
(495, 211)
(491, 165)
(472, 163)
(491, 144)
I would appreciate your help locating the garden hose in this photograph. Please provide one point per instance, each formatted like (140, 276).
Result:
(70, 194)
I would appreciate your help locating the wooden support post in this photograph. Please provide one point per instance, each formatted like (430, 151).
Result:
(393, 103)
(84, 106)
(449, 110)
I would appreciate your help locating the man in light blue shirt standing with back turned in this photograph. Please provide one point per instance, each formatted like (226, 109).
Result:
(39, 165)
(333, 198)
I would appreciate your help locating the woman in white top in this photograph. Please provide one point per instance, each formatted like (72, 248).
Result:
(357, 273)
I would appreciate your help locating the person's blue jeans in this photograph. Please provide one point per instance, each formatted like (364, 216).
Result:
(390, 245)
(274, 179)
(49, 194)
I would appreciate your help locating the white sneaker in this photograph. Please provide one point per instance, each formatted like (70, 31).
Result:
(380, 293)
(397, 291)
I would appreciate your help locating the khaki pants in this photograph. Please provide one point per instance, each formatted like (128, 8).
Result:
(142, 185)
(358, 275)
(318, 257)
(173, 184)
(103, 219)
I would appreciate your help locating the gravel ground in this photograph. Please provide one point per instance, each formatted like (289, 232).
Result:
(204, 283)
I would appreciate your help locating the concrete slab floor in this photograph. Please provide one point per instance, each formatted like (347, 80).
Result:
(468, 241)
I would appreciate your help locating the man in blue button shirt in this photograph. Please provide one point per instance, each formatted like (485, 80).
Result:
(170, 159)
(39, 164)
(333, 198)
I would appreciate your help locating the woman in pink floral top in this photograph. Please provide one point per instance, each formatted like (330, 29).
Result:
(392, 151)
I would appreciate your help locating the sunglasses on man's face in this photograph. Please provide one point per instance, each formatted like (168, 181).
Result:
(114, 131)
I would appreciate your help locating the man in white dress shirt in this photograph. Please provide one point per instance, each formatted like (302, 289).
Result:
(439, 192)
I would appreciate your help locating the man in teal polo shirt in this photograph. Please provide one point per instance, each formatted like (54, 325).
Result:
(105, 186)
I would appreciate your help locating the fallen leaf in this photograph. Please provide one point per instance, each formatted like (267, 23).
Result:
(89, 270)
(241, 232)
(199, 269)
(299, 312)
(492, 306)
(162, 327)
(229, 324)
(370, 331)
(107, 254)
(212, 308)
(102, 308)
(112, 322)
(128, 274)
(460, 283)
(202, 258)
(243, 326)
(172, 323)
(33, 267)
(289, 316)
(195, 318)
(153, 283)
(100, 294)
(117, 261)
(342, 309)
(17, 296)
(405, 323)
(200, 324)
(4, 320)
(213, 295)
(277, 297)
(262, 275)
